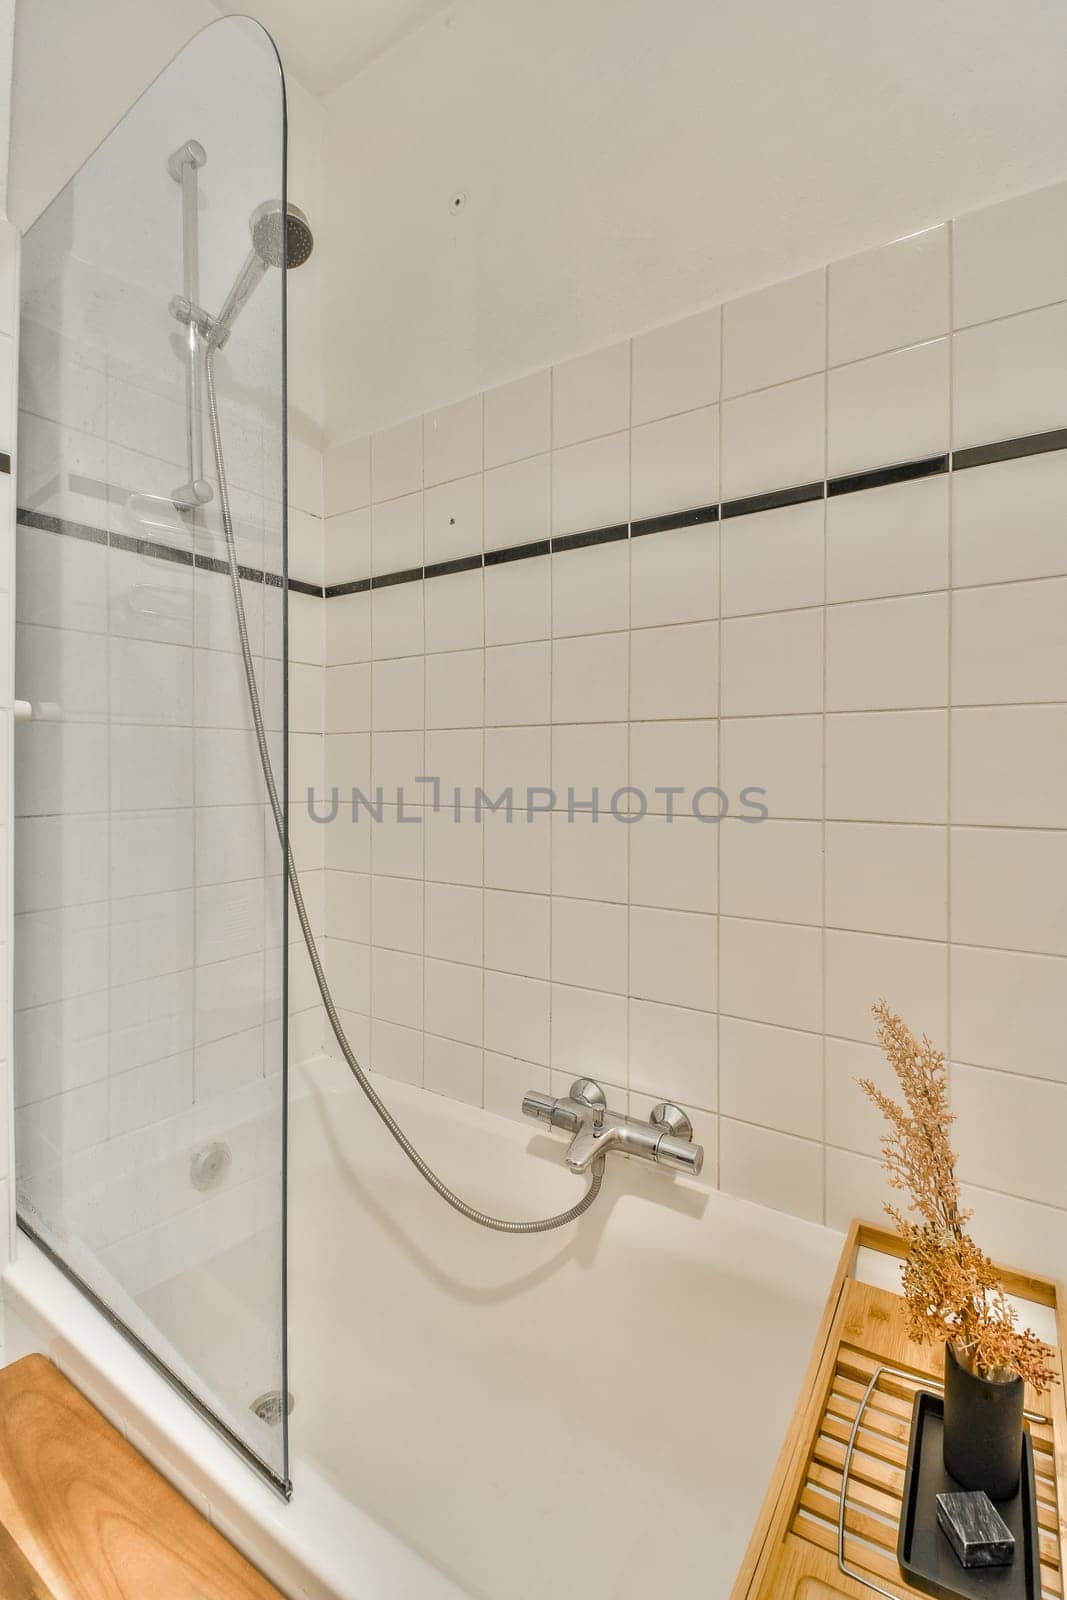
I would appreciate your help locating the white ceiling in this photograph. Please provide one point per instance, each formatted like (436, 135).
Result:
(326, 42)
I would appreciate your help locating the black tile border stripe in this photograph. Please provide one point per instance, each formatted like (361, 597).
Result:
(5, 461)
(45, 522)
(674, 519)
(517, 552)
(1031, 444)
(774, 499)
(590, 536)
(881, 477)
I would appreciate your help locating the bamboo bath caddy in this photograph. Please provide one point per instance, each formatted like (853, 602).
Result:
(792, 1554)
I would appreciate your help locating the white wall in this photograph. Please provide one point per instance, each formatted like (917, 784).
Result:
(889, 664)
(629, 163)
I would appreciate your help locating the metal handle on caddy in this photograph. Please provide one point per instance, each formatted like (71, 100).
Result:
(666, 1138)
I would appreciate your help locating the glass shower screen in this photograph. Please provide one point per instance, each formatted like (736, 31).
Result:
(150, 929)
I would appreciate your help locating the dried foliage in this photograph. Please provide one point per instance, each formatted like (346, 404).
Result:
(951, 1287)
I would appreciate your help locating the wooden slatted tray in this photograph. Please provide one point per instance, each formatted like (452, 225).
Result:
(793, 1551)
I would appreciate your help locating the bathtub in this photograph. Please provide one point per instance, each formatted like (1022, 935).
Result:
(594, 1412)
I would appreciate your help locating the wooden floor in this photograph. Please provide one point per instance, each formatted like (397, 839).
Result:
(793, 1552)
(83, 1516)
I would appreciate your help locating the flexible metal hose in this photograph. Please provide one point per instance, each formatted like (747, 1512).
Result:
(499, 1224)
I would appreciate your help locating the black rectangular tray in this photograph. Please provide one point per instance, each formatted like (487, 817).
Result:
(926, 1558)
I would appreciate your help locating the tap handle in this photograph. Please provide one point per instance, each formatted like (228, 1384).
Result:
(559, 1113)
(672, 1119)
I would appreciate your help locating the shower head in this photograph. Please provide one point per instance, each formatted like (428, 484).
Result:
(281, 237)
(281, 241)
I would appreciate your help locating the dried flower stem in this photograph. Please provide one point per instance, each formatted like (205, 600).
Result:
(951, 1288)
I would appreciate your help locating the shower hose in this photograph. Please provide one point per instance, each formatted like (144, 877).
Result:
(499, 1224)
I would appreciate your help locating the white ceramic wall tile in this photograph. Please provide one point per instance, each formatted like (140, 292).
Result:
(396, 534)
(589, 756)
(674, 672)
(590, 678)
(895, 295)
(454, 689)
(1008, 377)
(771, 1076)
(517, 933)
(856, 1186)
(346, 541)
(589, 859)
(892, 407)
(887, 878)
(771, 972)
(346, 477)
(852, 1121)
(672, 958)
(452, 441)
(1011, 257)
(887, 766)
(772, 664)
(518, 687)
(888, 541)
(771, 1169)
(1009, 1133)
(674, 464)
(782, 756)
(591, 484)
(454, 611)
(773, 561)
(518, 855)
(911, 974)
(775, 334)
(591, 589)
(1005, 1011)
(589, 944)
(591, 395)
(453, 1069)
(1026, 495)
(518, 601)
(517, 1016)
(887, 654)
(453, 1000)
(518, 419)
(518, 504)
(771, 870)
(674, 577)
(1007, 888)
(396, 460)
(774, 438)
(1009, 643)
(676, 368)
(674, 863)
(588, 1036)
(453, 519)
(677, 759)
(1009, 766)
(507, 1081)
(673, 1052)
(1018, 1230)
(397, 619)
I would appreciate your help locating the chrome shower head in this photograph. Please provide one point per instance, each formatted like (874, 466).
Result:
(281, 237)
(281, 241)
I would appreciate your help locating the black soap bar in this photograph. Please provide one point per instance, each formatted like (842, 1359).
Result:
(975, 1529)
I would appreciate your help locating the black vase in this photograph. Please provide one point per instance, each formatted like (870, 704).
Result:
(983, 1436)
